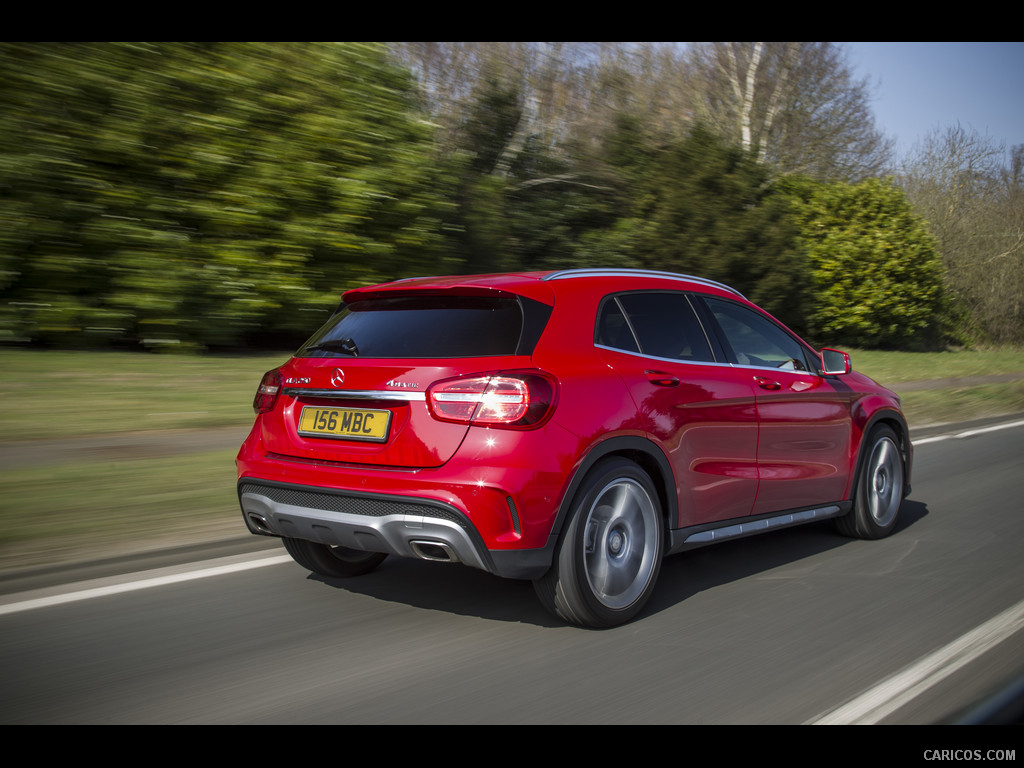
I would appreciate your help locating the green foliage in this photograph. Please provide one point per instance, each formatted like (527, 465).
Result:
(556, 212)
(703, 207)
(875, 272)
(190, 195)
(519, 204)
(204, 193)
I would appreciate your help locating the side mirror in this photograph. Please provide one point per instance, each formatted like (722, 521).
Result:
(834, 362)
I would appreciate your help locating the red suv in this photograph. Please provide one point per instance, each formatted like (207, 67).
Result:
(570, 427)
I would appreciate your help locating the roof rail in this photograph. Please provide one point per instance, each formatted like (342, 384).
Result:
(565, 274)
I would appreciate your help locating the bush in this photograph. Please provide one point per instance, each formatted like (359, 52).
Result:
(876, 275)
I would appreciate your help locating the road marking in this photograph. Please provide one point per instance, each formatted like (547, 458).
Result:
(119, 585)
(882, 700)
(968, 433)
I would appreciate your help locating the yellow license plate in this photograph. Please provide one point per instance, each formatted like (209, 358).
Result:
(345, 423)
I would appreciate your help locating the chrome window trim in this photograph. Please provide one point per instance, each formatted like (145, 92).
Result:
(664, 359)
(356, 394)
(812, 374)
(737, 366)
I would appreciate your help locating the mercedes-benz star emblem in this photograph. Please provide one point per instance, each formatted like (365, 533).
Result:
(337, 377)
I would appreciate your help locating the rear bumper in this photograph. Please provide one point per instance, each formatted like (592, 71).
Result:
(404, 526)
(492, 505)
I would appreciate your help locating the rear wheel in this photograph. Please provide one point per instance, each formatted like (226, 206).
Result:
(610, 552)
(327, 560)
(879, 490)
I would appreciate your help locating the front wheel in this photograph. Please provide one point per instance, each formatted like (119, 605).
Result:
(609, 555)
(879, 490)
(327, 560)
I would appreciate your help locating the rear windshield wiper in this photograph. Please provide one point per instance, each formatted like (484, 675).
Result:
(345, 346)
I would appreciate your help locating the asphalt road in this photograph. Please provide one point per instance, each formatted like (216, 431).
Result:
(797, 626)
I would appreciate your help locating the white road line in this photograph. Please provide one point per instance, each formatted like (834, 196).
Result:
(166, 576)
(968, 433)
(882, 700)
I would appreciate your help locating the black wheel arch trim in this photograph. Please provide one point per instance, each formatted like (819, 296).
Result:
(892, 416)
(638, 449)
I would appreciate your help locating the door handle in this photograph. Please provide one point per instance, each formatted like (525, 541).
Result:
(662, 379)
(770, 384)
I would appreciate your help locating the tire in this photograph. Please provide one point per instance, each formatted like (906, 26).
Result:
(879, 489)
(336, 562)
(609, 555)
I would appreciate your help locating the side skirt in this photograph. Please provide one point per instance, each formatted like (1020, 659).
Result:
(682, 539)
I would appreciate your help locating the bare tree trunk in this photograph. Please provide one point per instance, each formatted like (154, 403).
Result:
(744, 92)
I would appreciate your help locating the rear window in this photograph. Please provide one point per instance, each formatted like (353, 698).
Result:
(430, 327)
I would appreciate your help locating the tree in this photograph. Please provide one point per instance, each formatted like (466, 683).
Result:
(876, 276)
(704, 207)
(551, 82)
(518, 173)
(972, 196)
(205, 193)
(797, 106)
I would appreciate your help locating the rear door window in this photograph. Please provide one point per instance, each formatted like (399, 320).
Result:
(653, 323)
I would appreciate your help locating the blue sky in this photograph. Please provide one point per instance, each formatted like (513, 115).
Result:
(918, 87)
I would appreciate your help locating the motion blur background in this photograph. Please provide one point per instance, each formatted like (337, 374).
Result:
(221, 196)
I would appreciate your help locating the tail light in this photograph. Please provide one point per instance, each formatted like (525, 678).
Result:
(517, 400)
(266, 394)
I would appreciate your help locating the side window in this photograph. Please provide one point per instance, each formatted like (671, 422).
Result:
(658, 324)
(613, 330)
(755, 340)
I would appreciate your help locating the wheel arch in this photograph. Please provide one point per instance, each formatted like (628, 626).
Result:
(648, 456)
(893, 419)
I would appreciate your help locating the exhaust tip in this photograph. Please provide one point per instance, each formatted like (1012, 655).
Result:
(435, 551)
(259, 523)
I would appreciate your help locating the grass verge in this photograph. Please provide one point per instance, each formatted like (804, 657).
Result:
(90, 509)
(958, 390)
(892, 368)
(54, 394)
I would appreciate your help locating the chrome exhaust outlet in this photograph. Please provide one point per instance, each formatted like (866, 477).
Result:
(259, 523)
(435, 551)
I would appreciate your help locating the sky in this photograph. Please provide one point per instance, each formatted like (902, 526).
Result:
(919, 87)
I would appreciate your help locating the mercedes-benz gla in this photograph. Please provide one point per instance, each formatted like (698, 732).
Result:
(571, 428)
